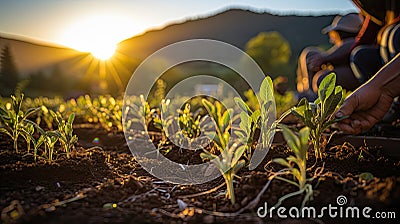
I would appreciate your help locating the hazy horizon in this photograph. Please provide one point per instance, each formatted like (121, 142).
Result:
(74, 24)
(40, 41)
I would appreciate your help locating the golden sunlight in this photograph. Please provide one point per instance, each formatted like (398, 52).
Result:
(103, 52)
(98, 35)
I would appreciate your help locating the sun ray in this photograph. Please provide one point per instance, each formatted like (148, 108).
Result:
(115, 75)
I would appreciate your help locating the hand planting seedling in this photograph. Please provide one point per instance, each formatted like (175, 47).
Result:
(296, 165)
(317, 115)
(14, 120)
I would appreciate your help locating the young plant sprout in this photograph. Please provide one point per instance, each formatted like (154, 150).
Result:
(109, 112)
(49, 139)
(65, 131)
(105, 110)
(317, 115)
(188, 123)
(229, 162)
(14, 120)
(251, 120)
(296, 165)
(139, 113)
(222, 122)
(248, 126)
(28, 135)
(164, 123)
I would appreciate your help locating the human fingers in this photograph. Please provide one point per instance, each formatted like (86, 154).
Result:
(363, 120)
(348, 107)
(348, 129)
(373, 115)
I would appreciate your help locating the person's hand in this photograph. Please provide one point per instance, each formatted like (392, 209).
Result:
(365, 107)
(315, 61)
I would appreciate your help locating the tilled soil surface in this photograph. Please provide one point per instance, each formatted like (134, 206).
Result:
(102, 183)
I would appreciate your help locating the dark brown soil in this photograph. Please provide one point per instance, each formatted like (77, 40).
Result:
(103, 173)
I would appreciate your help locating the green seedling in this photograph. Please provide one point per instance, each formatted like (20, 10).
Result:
(145, 113)
(317, 115)
(104, 110)
(109, 112)
(65, 131)
(167, 124)
(50, 138)
(228, 163)
(14, 120)
(296, 165)
(282, 102)
(36, 145)
(248, 126)
(139, 112)
(183, 129)
(163, 123)
(28, 135)
(189, 123)
(221, 121)
(251, 120)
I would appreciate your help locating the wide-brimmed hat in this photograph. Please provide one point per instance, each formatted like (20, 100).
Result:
(349, 23)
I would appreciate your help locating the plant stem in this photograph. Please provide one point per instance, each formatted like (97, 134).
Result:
(315, 137)
(250, 142)
(303, 174)
(66, 148)
(229, 185)
(34, 152)
(15, 138)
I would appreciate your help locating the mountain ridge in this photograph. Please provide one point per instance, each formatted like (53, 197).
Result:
(233, 26)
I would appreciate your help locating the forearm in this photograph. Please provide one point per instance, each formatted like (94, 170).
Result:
(340, 53)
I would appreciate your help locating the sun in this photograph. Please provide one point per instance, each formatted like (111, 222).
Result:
(98, 35)
(103, 52)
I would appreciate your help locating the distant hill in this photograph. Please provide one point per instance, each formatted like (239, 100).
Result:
(234, 26)
(31, 57)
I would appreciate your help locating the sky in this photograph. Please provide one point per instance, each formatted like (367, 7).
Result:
(80, 23)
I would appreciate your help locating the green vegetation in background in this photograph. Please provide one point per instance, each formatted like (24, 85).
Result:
(271, 51)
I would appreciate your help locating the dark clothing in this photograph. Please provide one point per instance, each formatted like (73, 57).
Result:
(366, 60)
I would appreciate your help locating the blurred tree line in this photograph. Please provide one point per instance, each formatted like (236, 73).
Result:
(9, 76)
(272, 53)
(270, 50)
